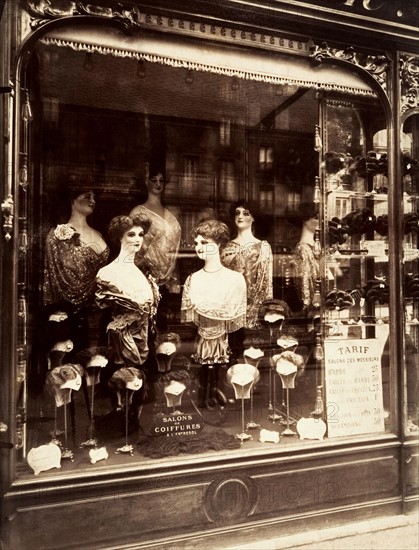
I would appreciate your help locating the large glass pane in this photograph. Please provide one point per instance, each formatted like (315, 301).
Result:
(410, 174)
(127, 158)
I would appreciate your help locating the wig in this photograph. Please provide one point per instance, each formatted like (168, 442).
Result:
(213, 229)
(251, 206)
(120, 224)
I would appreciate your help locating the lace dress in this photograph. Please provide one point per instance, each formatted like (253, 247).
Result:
(216, 303)
(161, 243)
(254, 261)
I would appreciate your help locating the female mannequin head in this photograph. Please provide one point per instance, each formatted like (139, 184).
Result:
(209, 236)
(155, 183)
(308, 215)
(244, 214)
(120, 228)
(82, 203)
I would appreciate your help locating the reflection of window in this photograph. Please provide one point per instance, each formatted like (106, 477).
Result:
(225, 131)
(227, 180)
(293, 200)
(266, 158)
(190, 168)
(266, 199)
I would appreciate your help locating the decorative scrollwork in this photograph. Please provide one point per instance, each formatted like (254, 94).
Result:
(125, 14)
(376, 65)
(409, 81)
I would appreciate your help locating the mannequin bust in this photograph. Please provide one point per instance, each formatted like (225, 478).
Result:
(306, 257)
(214, 299)
(161, 243)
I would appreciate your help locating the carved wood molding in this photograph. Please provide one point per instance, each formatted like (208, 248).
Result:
(127, 15)
(409, 82)
(377, 65)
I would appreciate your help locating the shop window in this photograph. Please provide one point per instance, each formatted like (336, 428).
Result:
(249, 346)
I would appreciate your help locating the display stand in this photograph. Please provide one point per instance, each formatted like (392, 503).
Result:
(66, 452)
(272, 314)
(91, 438)
(125, 381)
(60, 382)
(287, 372)
(127, 448)
(252, 357)
(56, 432)
(173, 393)
(242, 377)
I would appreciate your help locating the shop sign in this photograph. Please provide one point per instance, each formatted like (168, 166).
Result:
(354, 390)
(386, 10)
(177, 424)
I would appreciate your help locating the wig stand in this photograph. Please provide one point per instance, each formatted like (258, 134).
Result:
(272, 414)
(288, 421)
(127, 448)
(66, 452)
(252, 357)
(243, 436)
(287, 383)
(164, 360)
(56, 432)
(173, 393)
(91, 439)
(242, 377)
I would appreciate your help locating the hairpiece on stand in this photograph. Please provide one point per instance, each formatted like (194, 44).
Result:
(126, 378)
(359, 221)
(411, 284)
(273, 311)
(174, 384)
(411, 223)
(289, 362)
(338, 231)
(167, 345)
(381, 225)
(286, 342)
(252, 356)
(339, 300)
(93, 360)
(376, 290)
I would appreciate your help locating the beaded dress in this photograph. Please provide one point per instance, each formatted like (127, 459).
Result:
(70, 267)
(307, 270)
(254, 261)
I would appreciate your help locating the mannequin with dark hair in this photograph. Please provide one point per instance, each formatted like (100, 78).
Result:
(252, 257)
(74, 252)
